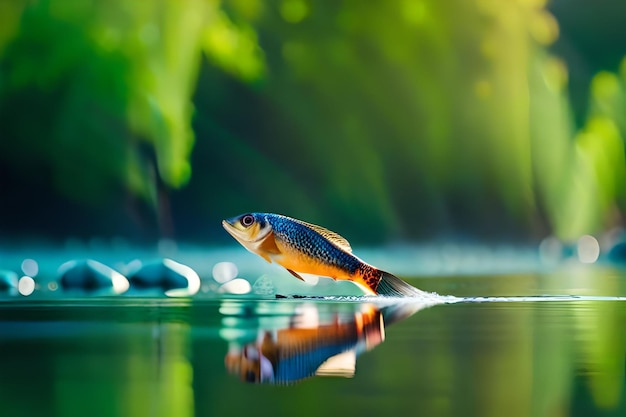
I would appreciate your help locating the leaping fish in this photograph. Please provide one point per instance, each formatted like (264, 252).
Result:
(302, 247)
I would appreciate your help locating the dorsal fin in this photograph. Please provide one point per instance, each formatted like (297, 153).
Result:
(331, 236)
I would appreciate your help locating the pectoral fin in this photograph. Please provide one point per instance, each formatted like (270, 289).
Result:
(295, 274)
(267, 247)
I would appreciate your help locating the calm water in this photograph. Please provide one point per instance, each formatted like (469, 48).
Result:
(229, 355)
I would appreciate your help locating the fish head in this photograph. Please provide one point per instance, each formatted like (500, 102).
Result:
(249, 229)
(250, 364)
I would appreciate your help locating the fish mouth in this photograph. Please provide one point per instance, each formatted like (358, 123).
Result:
(239, 235)
(229, 227)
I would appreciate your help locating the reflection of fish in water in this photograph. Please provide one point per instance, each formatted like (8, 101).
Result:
(306, 248)
(295, 353)
(306, 348)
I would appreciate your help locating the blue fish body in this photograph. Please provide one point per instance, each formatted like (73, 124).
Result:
(302, 247)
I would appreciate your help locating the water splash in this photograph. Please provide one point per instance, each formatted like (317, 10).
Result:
(538, 298)
(434, 298)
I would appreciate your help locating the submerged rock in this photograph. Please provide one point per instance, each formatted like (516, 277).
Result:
(90, 275)
(165, 274)
(264, 286)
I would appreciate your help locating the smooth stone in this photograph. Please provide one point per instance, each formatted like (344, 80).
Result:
(90, 275)
(165, 274)
(236, 286)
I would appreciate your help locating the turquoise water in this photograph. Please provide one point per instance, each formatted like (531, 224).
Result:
(541, 344)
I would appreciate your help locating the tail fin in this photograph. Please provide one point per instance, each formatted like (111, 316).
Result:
(392, 286)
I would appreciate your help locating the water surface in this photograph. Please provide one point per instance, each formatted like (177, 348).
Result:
(531, 343)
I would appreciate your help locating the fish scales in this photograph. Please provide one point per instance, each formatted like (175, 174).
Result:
(312, 243)
(302, 247)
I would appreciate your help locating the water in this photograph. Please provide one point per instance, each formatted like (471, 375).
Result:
(541, 344)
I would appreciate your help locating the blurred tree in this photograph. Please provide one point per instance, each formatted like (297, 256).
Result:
(413, 116)
(100, 79)
(402, 120)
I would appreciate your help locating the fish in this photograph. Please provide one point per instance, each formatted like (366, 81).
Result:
(303, 349)
(305, 248)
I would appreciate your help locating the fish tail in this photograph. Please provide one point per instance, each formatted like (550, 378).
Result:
(384, 283)
(391, 285)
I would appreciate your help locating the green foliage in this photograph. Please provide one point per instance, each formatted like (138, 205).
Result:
(65, 98)
(597, 169)
(411, 111)
(113, 75)
(394, 119)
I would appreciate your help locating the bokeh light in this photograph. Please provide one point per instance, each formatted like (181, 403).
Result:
(588, 249)
(224, 271)
(30, 267)
(26, 285)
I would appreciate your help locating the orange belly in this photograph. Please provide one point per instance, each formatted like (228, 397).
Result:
(300, 262)
(297, 261)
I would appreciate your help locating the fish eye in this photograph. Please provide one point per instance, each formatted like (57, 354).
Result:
(247, 220)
